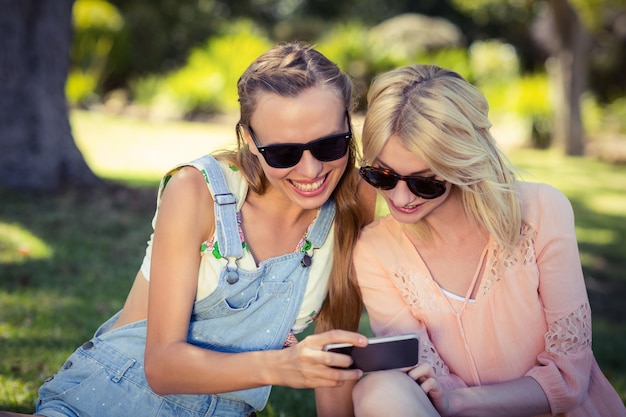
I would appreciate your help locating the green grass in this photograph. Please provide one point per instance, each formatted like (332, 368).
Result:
(67, 261)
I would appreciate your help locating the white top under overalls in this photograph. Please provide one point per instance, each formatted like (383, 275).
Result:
(211, 262)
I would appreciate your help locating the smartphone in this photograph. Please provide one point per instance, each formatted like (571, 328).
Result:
(381, 353)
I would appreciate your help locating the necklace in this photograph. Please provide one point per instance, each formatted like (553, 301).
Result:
(306, 247)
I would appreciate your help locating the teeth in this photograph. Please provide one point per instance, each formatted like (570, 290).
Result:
(308, 187)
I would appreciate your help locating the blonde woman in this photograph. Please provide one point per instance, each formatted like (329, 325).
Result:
(483, 267)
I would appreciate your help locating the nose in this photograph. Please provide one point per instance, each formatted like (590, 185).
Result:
(309, 166)
(400, 195)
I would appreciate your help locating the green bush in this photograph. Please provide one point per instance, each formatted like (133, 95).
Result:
(80, 87)
(455, 59)
(355, 49)
(495, 70)
(616, 116)
(145, 89)
(347, 45)
(493, 61)
(208, 81)
(592, 114)
(534, 103)
(96, 23)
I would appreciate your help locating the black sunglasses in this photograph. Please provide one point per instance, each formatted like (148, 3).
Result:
(286, 155)
(385, 179)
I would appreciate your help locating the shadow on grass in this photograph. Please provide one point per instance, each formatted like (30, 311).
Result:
(602, 243)
(94, 240)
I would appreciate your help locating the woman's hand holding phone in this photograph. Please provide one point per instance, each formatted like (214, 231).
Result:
(307, 365)
(381, 353)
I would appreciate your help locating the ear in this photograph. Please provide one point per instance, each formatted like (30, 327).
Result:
(245, 134)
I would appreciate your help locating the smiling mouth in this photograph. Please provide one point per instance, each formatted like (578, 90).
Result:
(408, 208)
(308, 187)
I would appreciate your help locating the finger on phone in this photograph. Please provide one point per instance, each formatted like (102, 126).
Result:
(341, 336)
(338, 360)
(429, 384)
(422, 372)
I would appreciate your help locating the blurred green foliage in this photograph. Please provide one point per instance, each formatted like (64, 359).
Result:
(616, 115)
(176, 60)
(348, 45)
(96, 23)
(207, 83)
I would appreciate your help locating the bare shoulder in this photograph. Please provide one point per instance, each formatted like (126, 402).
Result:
(187, 185)
(186, 203)
(381, 232)
(542, 194)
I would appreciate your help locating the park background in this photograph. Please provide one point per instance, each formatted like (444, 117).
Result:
(98, 99)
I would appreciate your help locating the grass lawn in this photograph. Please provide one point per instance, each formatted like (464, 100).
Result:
(67, 261)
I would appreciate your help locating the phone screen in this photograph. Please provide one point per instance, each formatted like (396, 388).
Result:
(382, 353)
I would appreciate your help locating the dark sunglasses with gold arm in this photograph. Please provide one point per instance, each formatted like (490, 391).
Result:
(384, 179)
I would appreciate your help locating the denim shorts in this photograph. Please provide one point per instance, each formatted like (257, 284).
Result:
(98, 380)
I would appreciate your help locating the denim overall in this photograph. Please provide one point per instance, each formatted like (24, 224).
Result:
(248, 311)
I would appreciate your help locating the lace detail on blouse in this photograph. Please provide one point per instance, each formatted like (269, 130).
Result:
(428, 354)
(497, 259)
(411, 285)
(571, 334)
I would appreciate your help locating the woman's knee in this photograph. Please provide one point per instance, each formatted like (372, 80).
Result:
(392, 393)
(371, 394)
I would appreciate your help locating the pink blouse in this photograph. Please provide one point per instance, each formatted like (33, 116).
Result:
(530, 317)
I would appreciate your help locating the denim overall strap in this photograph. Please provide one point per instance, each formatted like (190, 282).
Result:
(225, 207)
(317, 236)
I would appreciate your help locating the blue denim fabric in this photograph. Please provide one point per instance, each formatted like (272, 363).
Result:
(105, 376)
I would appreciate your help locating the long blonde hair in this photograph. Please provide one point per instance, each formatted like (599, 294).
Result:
(443, 119)
(287, 70)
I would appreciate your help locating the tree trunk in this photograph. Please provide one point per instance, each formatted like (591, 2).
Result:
(571, 76)
(37, 149)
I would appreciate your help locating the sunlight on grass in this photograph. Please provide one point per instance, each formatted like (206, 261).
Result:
(608, 344)
(14, 391)
(43, 311)
(39, 328)
(608, 204)
(18, 245)
(120, 147)
(597, 236)
(576, 176)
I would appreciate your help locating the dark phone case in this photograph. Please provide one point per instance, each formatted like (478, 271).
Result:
(382, 356)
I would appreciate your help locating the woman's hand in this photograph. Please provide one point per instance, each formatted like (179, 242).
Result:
(307, 365)
(424, 375)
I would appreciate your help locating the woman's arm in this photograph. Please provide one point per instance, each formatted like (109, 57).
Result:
(518, 398)
(521, 397)
(564, 367)
(184, 221)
